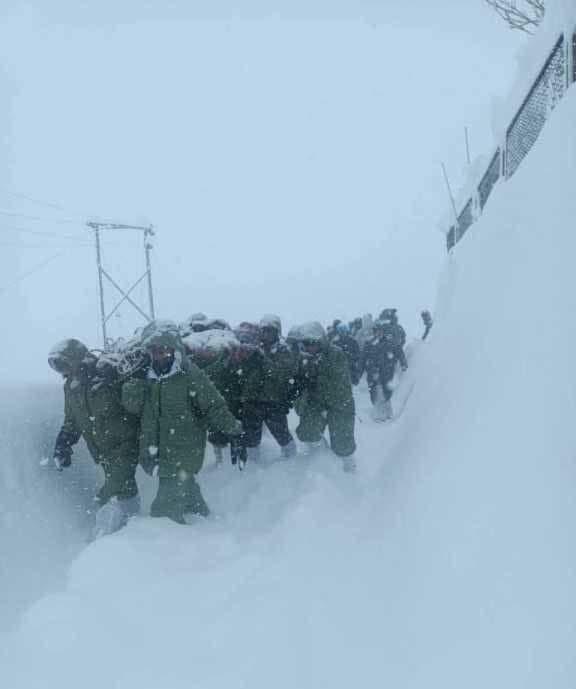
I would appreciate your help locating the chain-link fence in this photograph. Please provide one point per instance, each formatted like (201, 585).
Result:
(543, 97)
(465, 219)
(558, 72)
(574, 57)
(491, 176)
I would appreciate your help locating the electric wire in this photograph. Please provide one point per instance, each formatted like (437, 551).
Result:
(42, 233)
(32, 271)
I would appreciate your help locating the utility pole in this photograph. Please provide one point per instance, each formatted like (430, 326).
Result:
(149, 315)
(468, 159)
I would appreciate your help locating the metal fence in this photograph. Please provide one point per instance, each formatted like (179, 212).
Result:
(491, 176)
(543, 97)
(558, 72)
(465, 219)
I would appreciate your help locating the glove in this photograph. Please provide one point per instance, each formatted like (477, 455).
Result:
(63, 449)
(238, 431)
(62, 458)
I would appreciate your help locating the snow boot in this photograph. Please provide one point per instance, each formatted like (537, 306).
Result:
(114, 515)
(254, 454)
(289, 450)
(315, 446)
(349, 464)
(218, 454)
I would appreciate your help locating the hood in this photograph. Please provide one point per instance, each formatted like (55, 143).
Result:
(71, 352)
(270, 320)
(248, 333)
(168, 339)
(157, 327)
(313, 331)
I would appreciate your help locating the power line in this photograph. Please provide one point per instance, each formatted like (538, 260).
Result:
(31, 199)
(32, 271)
(58, 221)
(18, 245)
(43, 233)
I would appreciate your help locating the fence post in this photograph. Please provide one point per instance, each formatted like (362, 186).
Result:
(571, 56)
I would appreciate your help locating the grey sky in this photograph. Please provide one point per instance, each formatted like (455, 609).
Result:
(289, 158)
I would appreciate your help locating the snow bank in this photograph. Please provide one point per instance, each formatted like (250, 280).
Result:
(42, 513)
(446, 562)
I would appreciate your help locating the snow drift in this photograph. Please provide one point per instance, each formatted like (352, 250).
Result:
(446, 561)
(42, 514)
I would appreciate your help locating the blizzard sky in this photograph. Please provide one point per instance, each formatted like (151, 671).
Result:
(288, 154)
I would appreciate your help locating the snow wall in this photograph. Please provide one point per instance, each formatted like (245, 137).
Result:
(42, 513)
(447, 561)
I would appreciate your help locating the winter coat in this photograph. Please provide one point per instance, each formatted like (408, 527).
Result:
(352, 351)
(380, 357)
(175, 412)
(327, 400)
(228, 380)
(93, 411)
(279, 368)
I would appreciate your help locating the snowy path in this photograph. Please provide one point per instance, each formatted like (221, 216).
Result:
(185, 582)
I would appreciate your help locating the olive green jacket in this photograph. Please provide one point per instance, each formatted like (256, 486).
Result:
(93, 410)
(279, 369)
(175, 412)
(327, 400)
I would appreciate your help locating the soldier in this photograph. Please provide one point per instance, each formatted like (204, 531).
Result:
(176, 403)
(381, 356)
(427, 320)
(221, 356)
(389, 318)
(93, 411)
(326, 399)
(344, 341)
(269, 395)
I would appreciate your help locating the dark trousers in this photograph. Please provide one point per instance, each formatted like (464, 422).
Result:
(274, 415)
(382, 382)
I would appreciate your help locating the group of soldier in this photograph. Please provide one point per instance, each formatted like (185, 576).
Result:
(159, 398)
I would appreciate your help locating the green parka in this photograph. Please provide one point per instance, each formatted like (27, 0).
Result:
(327, 400)
(175, 411)
(279, 368)
(93, 410)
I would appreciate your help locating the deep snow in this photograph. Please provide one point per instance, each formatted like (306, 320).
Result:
(447, 561)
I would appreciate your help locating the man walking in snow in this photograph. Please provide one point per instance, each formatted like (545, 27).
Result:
(427, 320)
(93, 411)
(269, 399)
(344, 341)
(176, 403)
(326, 399)
(381, 356)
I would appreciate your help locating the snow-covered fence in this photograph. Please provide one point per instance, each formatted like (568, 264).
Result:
(556, 76)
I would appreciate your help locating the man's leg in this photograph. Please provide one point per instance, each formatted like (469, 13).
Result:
(277, 422)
